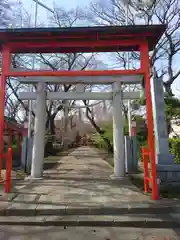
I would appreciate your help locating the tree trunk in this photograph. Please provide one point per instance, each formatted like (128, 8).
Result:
(52, 126)
(168, 89)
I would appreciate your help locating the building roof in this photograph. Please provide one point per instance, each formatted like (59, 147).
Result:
(12, 125)
(74, 35)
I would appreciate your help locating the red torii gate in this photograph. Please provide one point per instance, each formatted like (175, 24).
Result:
(140, 38)
(10, 129)
(13, 129)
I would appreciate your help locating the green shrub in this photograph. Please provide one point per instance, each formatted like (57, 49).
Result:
(98, 140)
(14, 147)
(107, 127)
(174, 144)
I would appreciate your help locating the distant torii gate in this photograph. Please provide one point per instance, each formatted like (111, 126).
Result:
(39, 129)
(84, 39)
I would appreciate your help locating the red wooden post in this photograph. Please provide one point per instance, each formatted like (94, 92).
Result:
(5, 69)
(145, 66)
(8, 171)
(1, 128)
(145, 164)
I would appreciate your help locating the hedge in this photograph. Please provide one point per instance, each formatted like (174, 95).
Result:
(174, 144)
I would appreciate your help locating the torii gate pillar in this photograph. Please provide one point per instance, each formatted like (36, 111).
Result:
(39, 131)
(118, 133)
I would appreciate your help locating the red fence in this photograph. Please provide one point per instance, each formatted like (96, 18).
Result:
(149, 179)
(7, 180)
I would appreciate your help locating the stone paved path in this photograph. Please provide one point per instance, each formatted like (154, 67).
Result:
(80, 179)
(84, 233)
(79, 191)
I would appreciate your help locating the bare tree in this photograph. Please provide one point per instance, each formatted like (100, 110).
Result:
(66, 62)
(55, 62)
(69, 62)
(10, 17)
(167, 12)
(5, 13)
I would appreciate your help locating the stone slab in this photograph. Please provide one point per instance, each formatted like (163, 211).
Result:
(16, 219)
(50, 209)
(160, 126)
(92, 218)
(88, 233)
(165, 159)
(51, 198)
(130, 217)
(168, 174)
(20, 209)
(168, 167)
(47, 210)
(24, 197)
(61, 218)
(126, 221)
(3, 207)
(7, 196)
